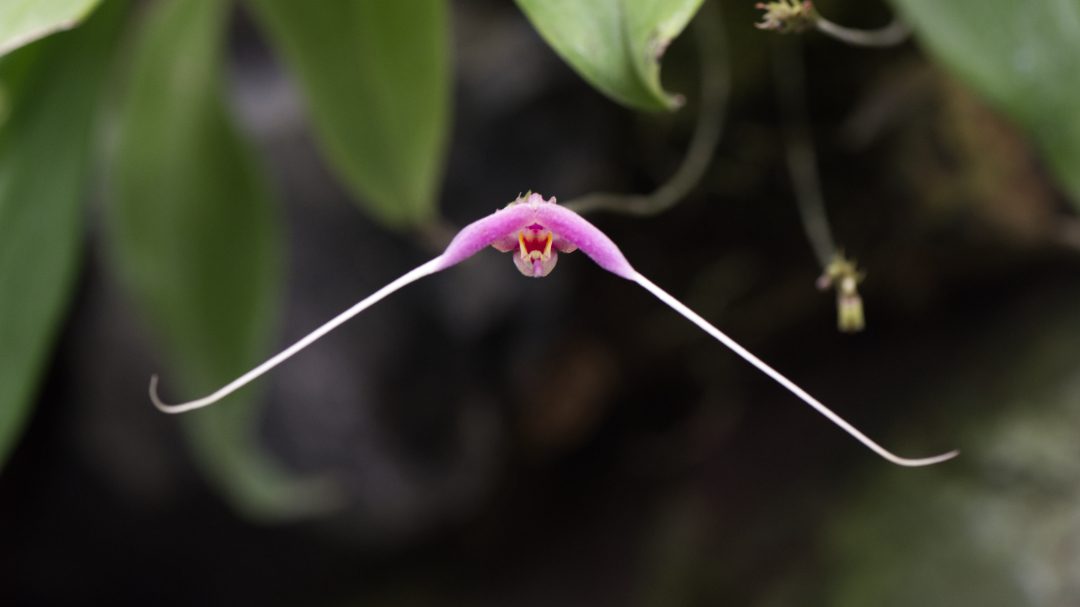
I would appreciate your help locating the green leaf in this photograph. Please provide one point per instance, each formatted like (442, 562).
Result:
(24, 21)
(615, 45)
(197, 241)
(376, 76)
(50, 93)
(1024, 57)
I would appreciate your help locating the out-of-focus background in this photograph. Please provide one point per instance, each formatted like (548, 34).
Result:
(188, 185)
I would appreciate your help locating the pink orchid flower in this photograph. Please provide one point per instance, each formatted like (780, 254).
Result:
(536, 231)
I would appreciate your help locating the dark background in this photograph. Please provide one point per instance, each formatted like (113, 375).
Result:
(570, 441)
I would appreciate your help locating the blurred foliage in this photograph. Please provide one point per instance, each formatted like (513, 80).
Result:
(999, 527)
(1022, 56)
(24, 21)
(539, 443)
(51, 91)
(197, 239)
(616, 45)
(968, 158)
(196, 234)
(376, 76)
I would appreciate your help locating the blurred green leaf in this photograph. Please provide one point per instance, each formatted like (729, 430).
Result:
(376, 76)
(24, 21)
(1022, 56)
(197, 241)
(616, 45)
(50, 92)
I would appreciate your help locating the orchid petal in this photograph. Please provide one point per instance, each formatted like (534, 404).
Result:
(536, 268)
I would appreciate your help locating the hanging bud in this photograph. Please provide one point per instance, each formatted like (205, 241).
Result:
(844, 275)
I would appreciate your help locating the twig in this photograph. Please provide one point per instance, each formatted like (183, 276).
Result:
(789, 75)
(715, 89)
(892, 34)
(796, 16)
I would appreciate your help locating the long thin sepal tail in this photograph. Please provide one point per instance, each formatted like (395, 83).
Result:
(776, 376)
(413, 275)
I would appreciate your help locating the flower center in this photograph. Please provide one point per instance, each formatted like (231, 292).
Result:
(535, 255)
(535, 245)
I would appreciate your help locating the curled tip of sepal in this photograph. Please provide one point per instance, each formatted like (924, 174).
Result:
(154, 398)
(536, 231)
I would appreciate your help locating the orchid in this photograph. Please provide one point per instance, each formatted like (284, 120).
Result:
(536, 231)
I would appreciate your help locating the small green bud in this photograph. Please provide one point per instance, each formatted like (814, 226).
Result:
(843, 275)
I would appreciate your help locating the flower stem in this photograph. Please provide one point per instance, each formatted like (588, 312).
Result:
(838, 272)
(715, 90)
(797, 16)
(892, 34)
(790, 77)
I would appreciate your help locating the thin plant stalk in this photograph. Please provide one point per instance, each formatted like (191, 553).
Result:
(893, 34)
(789, 75)
(715, 91)
(797, 16)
